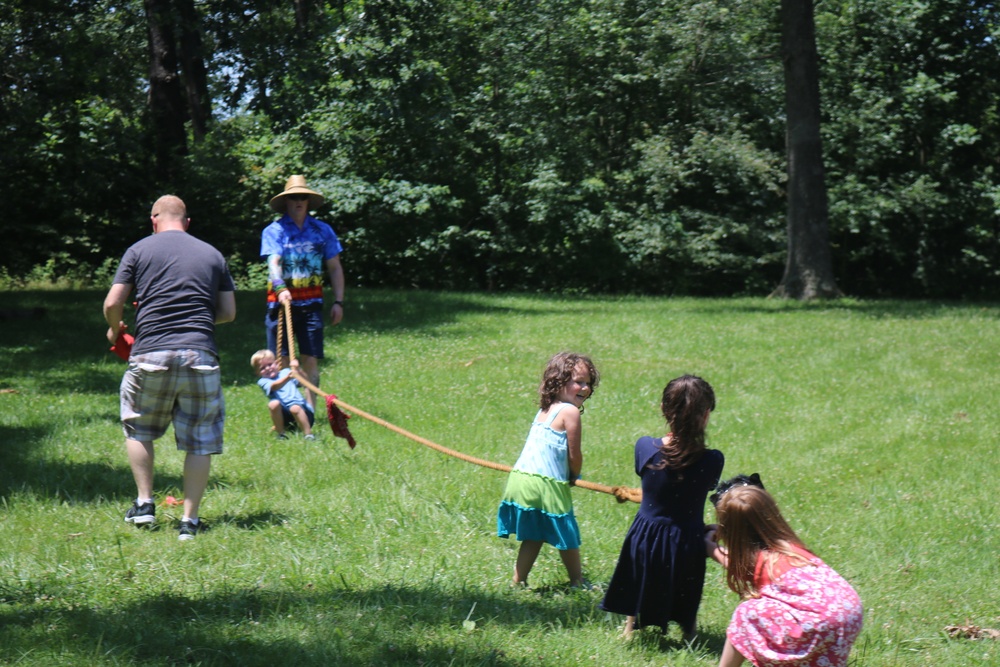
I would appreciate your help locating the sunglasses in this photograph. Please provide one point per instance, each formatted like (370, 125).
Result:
(739, 480)
(298, 197)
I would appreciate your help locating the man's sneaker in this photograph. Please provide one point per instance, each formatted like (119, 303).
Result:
(188, 530)
(143, 514)
(309, 437)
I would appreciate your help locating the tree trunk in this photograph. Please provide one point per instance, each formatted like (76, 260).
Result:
(192, 53)
(165, 96)
(301, 16)
(809, 268)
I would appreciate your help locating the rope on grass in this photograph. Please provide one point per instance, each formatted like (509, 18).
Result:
(338, 422)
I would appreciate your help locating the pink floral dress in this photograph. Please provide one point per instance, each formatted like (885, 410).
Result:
(808, 616)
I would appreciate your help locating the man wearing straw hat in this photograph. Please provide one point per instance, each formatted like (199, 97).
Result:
(298, 249)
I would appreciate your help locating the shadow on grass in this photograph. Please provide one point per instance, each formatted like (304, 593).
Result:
(653, 639)
(71, 482)
(86, 482)
(168, 518)
(63, 342)
(255, 521)
(390, 625)
(64, 480)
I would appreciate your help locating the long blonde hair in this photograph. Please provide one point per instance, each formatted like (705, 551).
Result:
(750, 522)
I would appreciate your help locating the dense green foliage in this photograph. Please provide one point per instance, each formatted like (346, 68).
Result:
(872, 422)
(586, 145)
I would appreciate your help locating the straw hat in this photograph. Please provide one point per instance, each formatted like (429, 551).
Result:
(296, 185)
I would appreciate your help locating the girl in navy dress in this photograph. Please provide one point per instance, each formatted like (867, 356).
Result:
(536, 504)
(661, 568)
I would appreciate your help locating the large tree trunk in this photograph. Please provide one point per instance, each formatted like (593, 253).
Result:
(301, 15)
(809, 269)
(192, 53)
(166, 99)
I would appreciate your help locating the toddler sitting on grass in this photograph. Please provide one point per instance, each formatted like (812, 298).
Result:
(286, 404)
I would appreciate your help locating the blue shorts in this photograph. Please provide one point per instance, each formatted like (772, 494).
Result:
(179, 387)
(307, 325)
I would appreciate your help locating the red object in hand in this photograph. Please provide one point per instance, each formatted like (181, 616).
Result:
(123, 345)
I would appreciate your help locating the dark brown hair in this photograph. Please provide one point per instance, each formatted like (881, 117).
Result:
(558, 372)
(686, 400)
(750, 522)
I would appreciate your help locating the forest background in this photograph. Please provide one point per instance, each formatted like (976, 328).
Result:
(601, 146)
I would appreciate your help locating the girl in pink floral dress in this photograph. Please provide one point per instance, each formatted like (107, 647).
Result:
(796, 610)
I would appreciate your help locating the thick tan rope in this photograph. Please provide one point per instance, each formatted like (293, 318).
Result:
(622, 493)
(286, 314)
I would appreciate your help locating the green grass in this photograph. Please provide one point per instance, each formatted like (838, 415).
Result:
(873, 423)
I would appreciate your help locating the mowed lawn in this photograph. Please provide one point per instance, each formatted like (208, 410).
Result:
(874, 424)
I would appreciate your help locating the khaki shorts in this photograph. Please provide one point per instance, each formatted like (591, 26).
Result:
(182, 387)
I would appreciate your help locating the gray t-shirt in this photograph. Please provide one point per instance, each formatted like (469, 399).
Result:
(177, 279)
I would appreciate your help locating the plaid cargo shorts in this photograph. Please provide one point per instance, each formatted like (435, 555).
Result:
(183, 387)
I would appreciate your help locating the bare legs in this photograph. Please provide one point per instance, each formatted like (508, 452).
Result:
(302, 419)
(571, 560)
(526, 557)
(140, 459)
(278, 417)
(689, 633)
(196, 471)
(528, 554)
(730, 656)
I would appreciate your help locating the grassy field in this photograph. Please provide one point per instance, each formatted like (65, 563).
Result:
(873, 423)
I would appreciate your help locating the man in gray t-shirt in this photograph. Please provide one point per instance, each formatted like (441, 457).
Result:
(182, 290)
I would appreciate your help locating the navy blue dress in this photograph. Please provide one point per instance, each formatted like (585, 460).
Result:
(661, 568)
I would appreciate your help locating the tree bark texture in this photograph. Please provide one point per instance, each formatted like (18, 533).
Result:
(192, 56)
(301, 15)
(809, 267)
(166, 99)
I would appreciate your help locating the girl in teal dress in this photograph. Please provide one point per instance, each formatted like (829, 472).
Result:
(536, 505)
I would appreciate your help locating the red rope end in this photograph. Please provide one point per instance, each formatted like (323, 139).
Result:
(338, 421)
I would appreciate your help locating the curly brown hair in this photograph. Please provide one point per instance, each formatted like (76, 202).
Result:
(558, 373)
